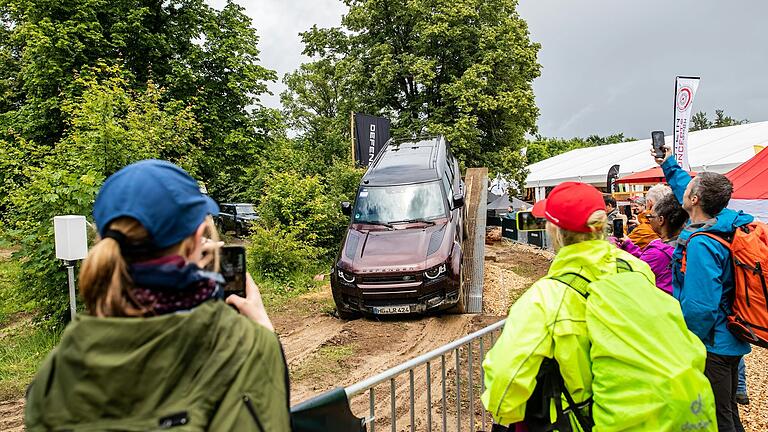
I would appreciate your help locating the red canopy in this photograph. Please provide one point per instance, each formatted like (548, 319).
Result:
(649, 176)
(750, 179)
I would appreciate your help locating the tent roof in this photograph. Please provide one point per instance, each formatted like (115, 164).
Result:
(649, 176)
(718, 150)
(503, 202)
(750, 180)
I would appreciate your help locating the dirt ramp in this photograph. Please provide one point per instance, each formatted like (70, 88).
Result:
(12, 416)
(302, 341)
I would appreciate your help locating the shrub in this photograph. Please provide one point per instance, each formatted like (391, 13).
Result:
(276, 253)
(304, 207)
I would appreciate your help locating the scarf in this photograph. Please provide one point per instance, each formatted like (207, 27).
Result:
(170, 284)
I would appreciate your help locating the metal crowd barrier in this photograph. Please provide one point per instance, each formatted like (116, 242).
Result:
(468, 353)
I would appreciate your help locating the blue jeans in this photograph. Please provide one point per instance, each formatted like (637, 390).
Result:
(742, 387)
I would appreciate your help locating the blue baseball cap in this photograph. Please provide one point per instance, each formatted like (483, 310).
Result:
(161, 196)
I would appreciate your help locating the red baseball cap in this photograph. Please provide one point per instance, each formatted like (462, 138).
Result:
(570, 205)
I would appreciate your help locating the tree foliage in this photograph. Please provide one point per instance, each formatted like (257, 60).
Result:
(700, 121)
(203, 58)
(109, 126)
(543, 148)
(462, 68)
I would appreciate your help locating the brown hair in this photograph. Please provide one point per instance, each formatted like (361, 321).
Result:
(561, 237)
(105, 283)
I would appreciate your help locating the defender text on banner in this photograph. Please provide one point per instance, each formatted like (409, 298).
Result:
(370, 135)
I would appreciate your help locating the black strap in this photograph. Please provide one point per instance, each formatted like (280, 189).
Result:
(550, 387)
(117, 236)
(128, 248)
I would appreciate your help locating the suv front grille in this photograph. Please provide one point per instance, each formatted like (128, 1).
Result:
(390, 279)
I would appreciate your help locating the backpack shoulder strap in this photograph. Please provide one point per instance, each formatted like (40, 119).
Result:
(719, 238)
(622, 266)
(575, 281)
(579, 283)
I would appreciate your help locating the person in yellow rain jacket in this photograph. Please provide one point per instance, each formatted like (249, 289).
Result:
(625, 358)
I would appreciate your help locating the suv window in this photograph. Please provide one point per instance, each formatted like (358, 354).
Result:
(390, 204)
(245, 209)
(448, 183)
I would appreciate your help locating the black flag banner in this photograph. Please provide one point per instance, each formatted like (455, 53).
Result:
(370, 135)
(613, 175)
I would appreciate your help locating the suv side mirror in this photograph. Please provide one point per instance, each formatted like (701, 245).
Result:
(458, 200)
(346, 208)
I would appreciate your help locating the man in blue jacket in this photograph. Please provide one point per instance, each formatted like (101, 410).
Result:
(705, 287)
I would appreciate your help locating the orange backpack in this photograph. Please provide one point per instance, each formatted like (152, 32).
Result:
(749, 253)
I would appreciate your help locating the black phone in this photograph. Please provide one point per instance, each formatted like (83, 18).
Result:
(618, 228)
(526, 221)
(627, 210)
(232, 263)
(657, 139)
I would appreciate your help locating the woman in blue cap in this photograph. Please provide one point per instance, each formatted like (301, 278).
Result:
(157, 349)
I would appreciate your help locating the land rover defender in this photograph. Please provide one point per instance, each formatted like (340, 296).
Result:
(403, 249)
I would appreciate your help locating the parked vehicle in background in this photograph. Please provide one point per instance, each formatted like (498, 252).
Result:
(403, 249)
(236, 217)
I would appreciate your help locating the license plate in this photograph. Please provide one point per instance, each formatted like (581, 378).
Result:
(389, 310)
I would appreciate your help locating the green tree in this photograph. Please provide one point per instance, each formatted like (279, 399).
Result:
(699, 121)
(203, 58)
(542, 148)
(722, 120)
(109, 126)
(462, 68)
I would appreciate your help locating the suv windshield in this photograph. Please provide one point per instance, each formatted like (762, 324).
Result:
(245, 209)
(390, 204)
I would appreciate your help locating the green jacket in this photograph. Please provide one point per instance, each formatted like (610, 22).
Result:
(531, 332)
(207, 369)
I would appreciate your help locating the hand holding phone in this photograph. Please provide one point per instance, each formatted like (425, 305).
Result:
(659, 150)
(232, 263)
(251, 306)
(618, 227)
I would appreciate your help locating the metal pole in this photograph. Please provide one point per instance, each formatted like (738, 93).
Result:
(373, 411)
(482, 377)
(458, 390)
(445, 418)
(429, 397)
(392, 404)
(71, 281)
(471, 390)
(413, 403)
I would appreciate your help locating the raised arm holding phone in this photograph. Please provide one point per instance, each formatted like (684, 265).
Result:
(703, 277)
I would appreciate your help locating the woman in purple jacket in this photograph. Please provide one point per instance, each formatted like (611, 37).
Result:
(667, 219)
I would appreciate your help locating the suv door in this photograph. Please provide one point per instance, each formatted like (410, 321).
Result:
(227, 218)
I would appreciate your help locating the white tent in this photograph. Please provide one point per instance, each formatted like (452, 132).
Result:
(719, 150)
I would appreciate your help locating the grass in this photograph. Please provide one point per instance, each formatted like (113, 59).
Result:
(328, 360)
(23, 342)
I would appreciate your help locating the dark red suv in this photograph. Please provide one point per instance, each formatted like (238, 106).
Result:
(402, 252)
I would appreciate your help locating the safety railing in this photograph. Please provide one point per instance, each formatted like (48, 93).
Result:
(459, 376)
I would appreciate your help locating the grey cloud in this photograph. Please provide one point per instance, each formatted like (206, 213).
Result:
(608, 65)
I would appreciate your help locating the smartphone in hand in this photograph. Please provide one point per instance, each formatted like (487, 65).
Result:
(618, 227)
(232, 264)
(627, 210)
(657, 140)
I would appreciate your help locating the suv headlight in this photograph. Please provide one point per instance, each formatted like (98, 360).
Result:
(436, 272)
(346, 277)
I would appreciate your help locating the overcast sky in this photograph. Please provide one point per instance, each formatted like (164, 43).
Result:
(607, 66)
